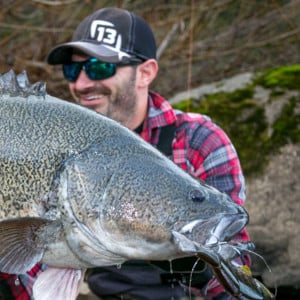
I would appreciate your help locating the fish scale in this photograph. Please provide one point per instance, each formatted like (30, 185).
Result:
(78, 190)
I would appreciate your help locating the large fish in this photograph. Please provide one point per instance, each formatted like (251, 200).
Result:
(78, 190)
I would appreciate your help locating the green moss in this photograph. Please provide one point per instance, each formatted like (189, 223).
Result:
(244, 120)
(287, 77)
(286, 129)
(183, 105)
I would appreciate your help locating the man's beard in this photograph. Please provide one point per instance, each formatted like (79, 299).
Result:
(123, 107)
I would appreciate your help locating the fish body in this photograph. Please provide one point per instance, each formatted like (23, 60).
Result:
(78, 190)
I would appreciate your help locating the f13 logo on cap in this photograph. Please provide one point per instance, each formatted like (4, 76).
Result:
(104, 32)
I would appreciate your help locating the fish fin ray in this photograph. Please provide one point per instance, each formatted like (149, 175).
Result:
(58, 284)
(20, 248)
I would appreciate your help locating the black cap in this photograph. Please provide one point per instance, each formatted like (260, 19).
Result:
(111, 35)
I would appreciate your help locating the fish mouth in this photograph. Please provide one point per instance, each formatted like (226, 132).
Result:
(226, 228)
(216, 229)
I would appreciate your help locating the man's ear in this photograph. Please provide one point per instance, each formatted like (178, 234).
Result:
(146, 72)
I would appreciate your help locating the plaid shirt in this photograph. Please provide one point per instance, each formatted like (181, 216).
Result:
(18, 287)
(200, 147)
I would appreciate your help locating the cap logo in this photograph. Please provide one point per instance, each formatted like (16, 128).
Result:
(104, 32)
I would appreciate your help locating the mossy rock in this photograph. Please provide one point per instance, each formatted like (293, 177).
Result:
(287, 77)
(286, 129)
(244, 120)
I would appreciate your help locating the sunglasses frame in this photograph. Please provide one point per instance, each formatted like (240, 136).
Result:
(87, 64)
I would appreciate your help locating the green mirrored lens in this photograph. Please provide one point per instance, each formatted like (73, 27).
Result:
(97, 70)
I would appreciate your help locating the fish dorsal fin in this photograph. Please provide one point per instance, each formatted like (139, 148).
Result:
(21, 247)
(58, 284)
(19, 85)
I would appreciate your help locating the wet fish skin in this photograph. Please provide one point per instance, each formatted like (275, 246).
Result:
(79, 190)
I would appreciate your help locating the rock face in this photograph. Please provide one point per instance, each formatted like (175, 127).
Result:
(273, 203)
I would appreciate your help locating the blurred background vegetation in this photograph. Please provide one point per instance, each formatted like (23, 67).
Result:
(199, 42)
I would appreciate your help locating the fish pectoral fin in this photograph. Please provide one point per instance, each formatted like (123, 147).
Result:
(20, 246)
(58, 284)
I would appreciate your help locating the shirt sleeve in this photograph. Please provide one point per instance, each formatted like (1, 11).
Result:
(214, 159)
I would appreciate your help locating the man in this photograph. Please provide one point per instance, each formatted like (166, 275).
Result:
(110, 64)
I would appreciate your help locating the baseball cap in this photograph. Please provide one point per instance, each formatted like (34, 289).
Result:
(110, 34)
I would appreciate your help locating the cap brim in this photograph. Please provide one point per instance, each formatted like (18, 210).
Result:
(62, 53)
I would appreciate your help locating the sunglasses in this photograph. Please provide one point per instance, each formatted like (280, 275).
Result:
(93, 67)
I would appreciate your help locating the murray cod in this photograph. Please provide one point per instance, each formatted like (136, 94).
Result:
(78, 190)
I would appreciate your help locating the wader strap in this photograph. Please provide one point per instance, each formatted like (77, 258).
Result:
(166, 137)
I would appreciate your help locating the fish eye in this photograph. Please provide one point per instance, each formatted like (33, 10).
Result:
(197, 196)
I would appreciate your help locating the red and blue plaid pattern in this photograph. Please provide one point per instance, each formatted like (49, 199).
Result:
(18, 287)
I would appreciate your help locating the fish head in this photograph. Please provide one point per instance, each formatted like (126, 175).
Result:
(126, 200)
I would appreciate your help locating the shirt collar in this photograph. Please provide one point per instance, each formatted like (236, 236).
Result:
(160, 112)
